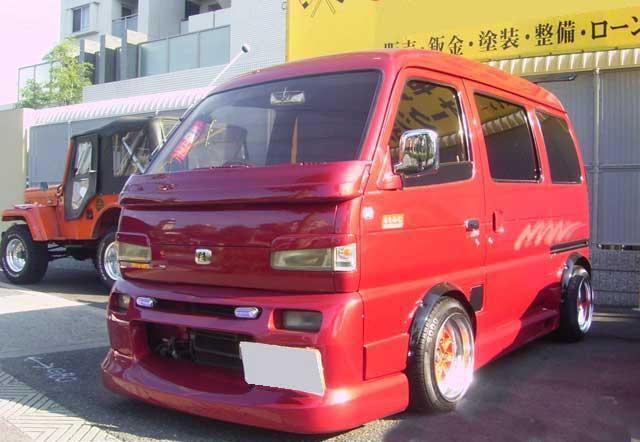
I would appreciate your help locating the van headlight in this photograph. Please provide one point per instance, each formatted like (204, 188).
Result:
(133, 255)
(337, 259)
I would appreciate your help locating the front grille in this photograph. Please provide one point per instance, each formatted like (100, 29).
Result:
(212, 348)
(225, 311)
(219, 349)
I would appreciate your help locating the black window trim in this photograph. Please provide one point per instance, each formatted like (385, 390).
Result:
(573, 142)
(534, 142)
(465, 134)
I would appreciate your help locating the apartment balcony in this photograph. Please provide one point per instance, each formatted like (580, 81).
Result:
(210, 47)
(40, 73)
(121, 25)
(206, 20)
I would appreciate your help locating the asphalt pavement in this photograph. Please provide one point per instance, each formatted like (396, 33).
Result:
(54, 339)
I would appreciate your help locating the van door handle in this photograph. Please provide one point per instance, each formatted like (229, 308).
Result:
(471, 225)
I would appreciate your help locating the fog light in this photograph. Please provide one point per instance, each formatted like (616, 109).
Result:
(301, 320)
(122, 302)
(247, 312)
(145, 302)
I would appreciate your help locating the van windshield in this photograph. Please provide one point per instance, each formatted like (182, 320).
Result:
(294, 121)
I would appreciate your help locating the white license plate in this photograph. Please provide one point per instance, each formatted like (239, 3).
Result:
(298, 369)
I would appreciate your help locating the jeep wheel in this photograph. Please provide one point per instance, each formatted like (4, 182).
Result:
(24, 261)
(107, 260)
(441, 369)
(576, 311)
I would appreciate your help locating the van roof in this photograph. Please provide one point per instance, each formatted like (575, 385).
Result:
(392, 61)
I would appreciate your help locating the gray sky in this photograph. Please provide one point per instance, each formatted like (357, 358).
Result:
(29, 29)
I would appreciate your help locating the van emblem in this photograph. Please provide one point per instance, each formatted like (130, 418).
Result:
(203, 256)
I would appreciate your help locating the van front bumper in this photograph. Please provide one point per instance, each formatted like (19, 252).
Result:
(133, 369)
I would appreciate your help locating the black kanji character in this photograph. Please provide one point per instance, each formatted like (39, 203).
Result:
(436, 43)
(455, 45)
(566, 31)
(409, 44)
(509, 38)
(544, 34)
(488, 41)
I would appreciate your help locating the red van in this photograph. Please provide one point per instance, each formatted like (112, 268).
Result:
(324, 243)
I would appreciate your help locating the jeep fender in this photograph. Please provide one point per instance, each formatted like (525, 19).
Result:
(41, 220)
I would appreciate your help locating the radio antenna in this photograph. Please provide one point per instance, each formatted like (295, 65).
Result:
(244, 50)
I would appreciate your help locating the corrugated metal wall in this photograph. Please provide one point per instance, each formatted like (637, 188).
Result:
(605, 109)
(619, 186)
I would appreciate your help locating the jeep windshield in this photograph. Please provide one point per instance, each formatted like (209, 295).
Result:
(315, 119)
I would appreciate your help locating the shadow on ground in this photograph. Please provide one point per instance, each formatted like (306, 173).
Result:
(76, 280)
(547, 391)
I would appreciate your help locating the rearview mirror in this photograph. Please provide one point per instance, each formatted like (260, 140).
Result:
(418, 152)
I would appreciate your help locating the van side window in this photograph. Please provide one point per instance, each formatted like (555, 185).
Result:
(563, 159)
(507, 135)
(431, 106)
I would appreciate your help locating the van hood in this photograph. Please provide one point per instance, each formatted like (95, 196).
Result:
(240, 216)
(326, 182)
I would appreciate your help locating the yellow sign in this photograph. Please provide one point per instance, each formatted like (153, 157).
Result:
(486, 30)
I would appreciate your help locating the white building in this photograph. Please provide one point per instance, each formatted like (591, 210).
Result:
(151, 46)
(154, 18)
(160, 51)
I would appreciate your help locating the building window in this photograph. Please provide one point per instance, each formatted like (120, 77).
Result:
(80, 19)
(563, 159)
(507, 135)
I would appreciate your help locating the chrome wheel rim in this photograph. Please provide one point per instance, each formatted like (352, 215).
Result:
(453, 357)
(111, 264)
(16, 255)
(585, 305)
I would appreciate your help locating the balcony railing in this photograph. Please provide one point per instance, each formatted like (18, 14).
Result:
(188, 51)
(40, 73)
(121, 25)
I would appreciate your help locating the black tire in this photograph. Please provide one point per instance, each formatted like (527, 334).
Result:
(99, 262)
(574, 322)
(425, 392)
(36, 256)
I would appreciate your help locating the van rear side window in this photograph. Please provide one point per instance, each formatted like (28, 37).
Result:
(561, 150)
(510, 148)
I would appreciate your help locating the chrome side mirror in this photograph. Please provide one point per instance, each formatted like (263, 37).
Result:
(418, 152)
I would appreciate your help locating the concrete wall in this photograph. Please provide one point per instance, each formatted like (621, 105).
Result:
(616, 277)
(160, 18)
(13, 153)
